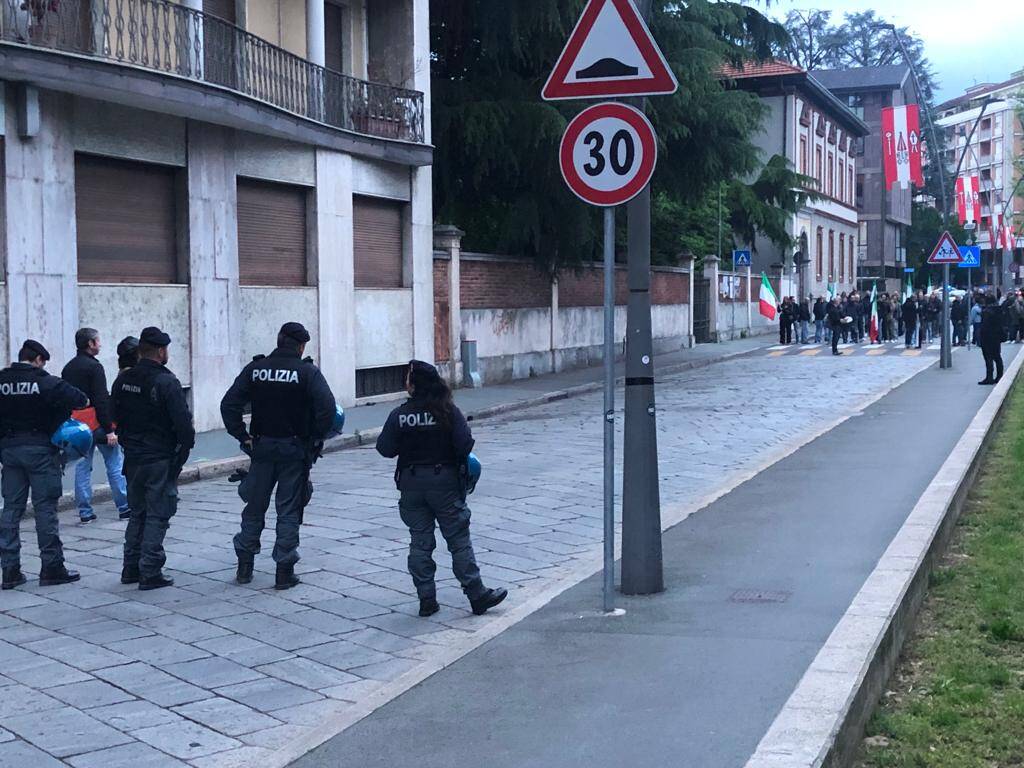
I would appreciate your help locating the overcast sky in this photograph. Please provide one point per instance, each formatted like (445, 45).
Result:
(967, 42)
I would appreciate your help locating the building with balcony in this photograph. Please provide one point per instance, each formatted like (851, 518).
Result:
(818, 135)
(884, 213)
(218, 167)
(994, 154)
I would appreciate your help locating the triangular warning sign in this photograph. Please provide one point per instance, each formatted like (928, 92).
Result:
(946, 251)
(610, 53)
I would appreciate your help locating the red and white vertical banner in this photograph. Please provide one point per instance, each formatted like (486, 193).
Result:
(968, 200)
(901, 146)
(1007, 240)
(993, 233)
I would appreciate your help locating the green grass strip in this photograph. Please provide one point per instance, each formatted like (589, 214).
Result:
(957, 698)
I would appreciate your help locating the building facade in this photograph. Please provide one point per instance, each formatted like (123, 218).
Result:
(994, 155)
(218, 167)
(885, 214)
(818, 135)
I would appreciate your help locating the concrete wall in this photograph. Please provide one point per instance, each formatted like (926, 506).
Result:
(119, 310)
(265, 310)
(383, 327)
(132, 134)
(270, 159)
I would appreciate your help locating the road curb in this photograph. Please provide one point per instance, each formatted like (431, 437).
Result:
(208, 470)
(822, 723)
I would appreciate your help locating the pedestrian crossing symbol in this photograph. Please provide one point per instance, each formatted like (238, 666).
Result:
(946, 251)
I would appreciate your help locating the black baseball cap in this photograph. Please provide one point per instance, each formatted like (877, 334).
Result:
(295, 332)
(37, 348)
(154, 336)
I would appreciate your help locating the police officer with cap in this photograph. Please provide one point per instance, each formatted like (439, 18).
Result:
(293, 410)
(431, 439)
(33, 404)
(156, 432)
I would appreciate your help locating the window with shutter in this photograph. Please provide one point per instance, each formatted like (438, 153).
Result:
(377, 246)
(272, 234)
(126, 217)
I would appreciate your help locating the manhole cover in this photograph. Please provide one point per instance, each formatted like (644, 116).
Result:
(759, 596)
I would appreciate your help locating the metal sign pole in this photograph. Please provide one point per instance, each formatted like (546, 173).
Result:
(969, 332)
(946, 352)
(609, 410)
(749, 294)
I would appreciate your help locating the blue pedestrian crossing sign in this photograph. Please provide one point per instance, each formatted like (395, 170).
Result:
(740, 259)
(970, 256)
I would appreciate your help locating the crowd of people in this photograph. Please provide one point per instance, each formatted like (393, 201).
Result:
(985, 319)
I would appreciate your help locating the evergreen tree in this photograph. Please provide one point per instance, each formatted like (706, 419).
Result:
(495, 167)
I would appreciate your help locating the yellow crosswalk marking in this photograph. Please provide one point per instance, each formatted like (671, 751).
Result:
(776, 354)
(911, 352)
(877, 351)
(811, 352)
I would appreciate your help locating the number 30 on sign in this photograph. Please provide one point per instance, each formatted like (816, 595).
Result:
(608, 154)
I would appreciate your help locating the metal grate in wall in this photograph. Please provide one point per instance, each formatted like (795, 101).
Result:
(380, 381)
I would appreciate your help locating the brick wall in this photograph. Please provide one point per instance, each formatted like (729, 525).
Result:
(490, 284)
(670, 287)
(585, 288)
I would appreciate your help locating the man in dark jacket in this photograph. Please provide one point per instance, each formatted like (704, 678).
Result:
(820, 312)
(33, 404)
(864, 320)
(835, 316)
(909, 320)
(958, 316)
(85, 372)
(991, 340)
(157, 434)
(804, 319)
(787, 316)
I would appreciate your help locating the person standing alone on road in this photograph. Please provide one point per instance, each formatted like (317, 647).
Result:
(157, 435)
(85, 372)
(991, 340)
(292, 412)
(431, 440)
(909, 320)
(33, 404)
(835, 323)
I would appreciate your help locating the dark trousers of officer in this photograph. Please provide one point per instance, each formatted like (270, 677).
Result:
(835, 339)
(993, 355)
(280, 462)
(153, 498)
(433, 495)
(786, 332)
(34, 468)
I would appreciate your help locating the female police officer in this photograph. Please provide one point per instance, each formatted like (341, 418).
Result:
(432, 441)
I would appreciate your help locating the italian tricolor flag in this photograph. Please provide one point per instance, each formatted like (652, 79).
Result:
(873, 329)
(769, 302)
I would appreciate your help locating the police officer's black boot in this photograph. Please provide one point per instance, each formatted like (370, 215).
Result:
(244, 573)
(130, 574)
(51, 577)
(429, 606)
(286, 578)
(13, 577)
(147, 583)
(488, 600)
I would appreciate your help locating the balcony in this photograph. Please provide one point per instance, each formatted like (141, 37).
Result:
(179, 42)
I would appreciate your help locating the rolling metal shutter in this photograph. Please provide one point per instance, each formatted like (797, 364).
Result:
(126, 216)
(271, 234)
(334, 28)
(377, 242)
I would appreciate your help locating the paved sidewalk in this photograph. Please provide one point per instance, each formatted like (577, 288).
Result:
(208, 673)
(218, 444)
(693, 677)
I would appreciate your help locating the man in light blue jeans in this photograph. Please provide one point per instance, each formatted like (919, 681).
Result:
(113, 458)
(86, 373)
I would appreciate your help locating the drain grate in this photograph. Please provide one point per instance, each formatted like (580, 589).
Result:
(759, 596)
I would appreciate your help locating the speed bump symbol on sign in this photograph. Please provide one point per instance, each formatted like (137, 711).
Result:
(608, 154)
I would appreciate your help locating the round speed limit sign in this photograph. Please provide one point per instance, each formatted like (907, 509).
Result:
(608, 154)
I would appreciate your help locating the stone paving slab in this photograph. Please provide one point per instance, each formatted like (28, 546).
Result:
(198, 663)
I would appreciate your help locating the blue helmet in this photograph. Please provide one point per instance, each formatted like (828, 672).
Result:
(473, 470)
(339, 421)
(73, 438)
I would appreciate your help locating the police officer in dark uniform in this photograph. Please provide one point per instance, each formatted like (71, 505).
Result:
(293, 410)
(431, 439)
(156, 432)
(33, 404)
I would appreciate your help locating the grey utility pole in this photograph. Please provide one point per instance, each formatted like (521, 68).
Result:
(642, 572)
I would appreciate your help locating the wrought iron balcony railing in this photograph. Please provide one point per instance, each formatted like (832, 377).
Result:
(175, 40)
